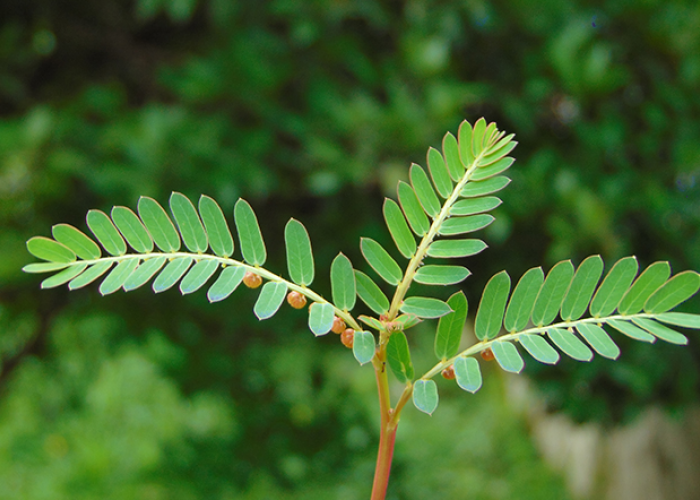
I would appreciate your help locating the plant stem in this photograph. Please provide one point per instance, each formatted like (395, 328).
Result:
(389, 425)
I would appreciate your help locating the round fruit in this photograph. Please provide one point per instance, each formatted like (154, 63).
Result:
(347, 337)
(296, 300)
(449, 372)
(252, 280)
(487, 354)
(338, 325)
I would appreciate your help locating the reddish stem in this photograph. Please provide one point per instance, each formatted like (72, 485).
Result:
(386, 453)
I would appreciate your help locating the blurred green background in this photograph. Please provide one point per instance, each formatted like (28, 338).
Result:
(315, 110)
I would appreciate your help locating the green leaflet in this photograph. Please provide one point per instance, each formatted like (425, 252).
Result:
(582, 287)
(478, 136)
(370, 321)
(158, 224)
(570, 344)
(300, 259)
(472, 206)
(489, 139)
(425, 307)
(441, 275)
(146, 270)
(439, 173)
(118, 276)
(499, 150)
(464, 134)
(363, 346)
(198, 276)
(105, 232)
(171, 273)
(398, 227)
(370, 293)
(455, 248)
(226, 283)
(424, 190)
(188, 222)
(321, 318)
(614, 286)
(551, 295)
(481, 188)
(219, 234)
(461, 225)
(343, 283)
(270, 299)
(425, 396)
(489, 315)
(44, 267)
(680, 319)
(507, 356)
(646, 284)
(661, 331)
(94, 272)
(468, 374)
(249, 235)
(77, 241)
(631, 330)
(523, 300)
(132, 229)
(492, 170)
(450, 327)
(450, 150)
(50, 250)
(675, 291)
(539, 349)
(399, 357)
(64, 276)
(380, 260)
(599, 340)
(412, 209)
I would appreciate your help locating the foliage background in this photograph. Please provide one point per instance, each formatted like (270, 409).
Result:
(314, 110)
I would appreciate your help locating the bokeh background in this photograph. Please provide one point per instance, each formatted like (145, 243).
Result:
(315, 110)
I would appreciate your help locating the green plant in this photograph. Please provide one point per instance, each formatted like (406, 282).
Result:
(452, 200)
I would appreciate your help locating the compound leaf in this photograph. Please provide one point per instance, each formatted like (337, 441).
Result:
(523, 300)
(77, 241)
(450, 327)
(370, 293)
(198, 275)
(101, 226)
(381, 261)
(441, 275)
(132, 229)
(489, 315)
(249, 235)
(614, 286)
(219, 234)
(343, 283)
(582, 287)
(270, 299)
(425, 396)
(300, 259)
(321, 317)
(226, 283)
(551, 295)
(467, 373)
(398, 227)
(399, 357)
(188, 222)
(158, 224)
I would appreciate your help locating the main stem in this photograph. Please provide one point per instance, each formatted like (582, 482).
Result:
(387, 435)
